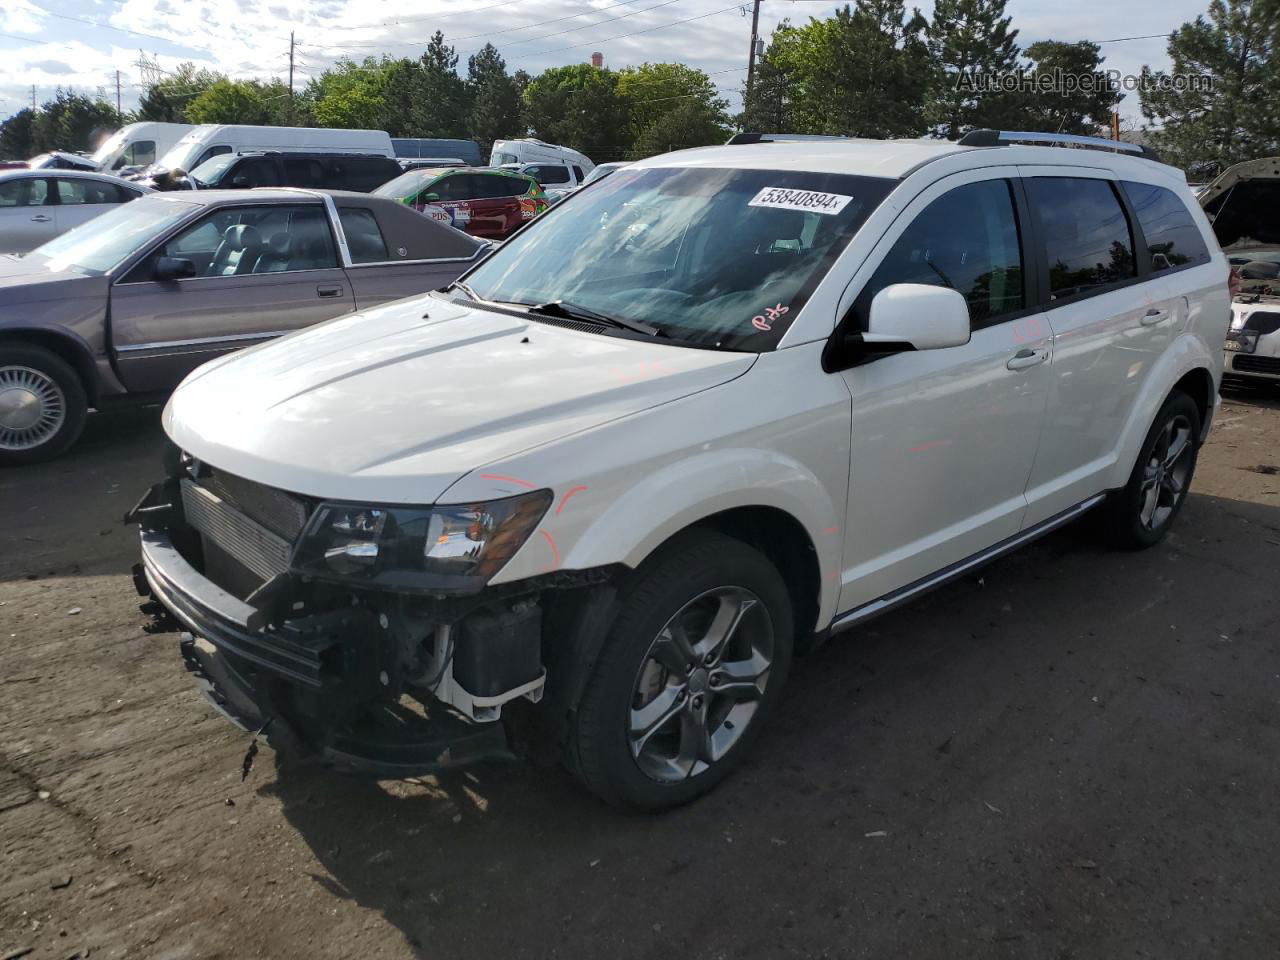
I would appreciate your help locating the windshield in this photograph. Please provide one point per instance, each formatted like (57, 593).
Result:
(406, 187)
(211, 171)
(108, 148)
(722, 258)
(599, 173)
(499, 158)
(40, 161)
(98, 246)
(181, 154)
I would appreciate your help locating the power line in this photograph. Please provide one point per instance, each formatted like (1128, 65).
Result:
(554, 33)
(634, 33)
(441, 16)
(106, 26)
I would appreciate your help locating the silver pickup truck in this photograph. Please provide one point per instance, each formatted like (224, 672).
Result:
(121, 309)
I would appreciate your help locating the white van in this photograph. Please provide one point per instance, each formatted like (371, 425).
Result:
(529, 150)
(138, 145)
(211, 139)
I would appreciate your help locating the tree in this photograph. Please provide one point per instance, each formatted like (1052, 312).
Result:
(579, 106)
(231, 101)
(496, 110)
(671, 105)
(689, 123)
(166, 100)
(969, 39)
(17, 136)
(1232, 116)
(72, 121)
(863, 72)
(768, 106)
(354, 95)
(1082, 110)
(443, 102)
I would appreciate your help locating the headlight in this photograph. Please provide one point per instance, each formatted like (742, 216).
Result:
(442, 549)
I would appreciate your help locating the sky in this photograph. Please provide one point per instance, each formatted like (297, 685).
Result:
(87, 44)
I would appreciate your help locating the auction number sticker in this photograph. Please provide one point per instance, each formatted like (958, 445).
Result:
(815, 201)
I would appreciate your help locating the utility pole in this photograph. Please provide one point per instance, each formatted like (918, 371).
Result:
(33, 97)
(751, 56)
(119, 112)
(291, 45)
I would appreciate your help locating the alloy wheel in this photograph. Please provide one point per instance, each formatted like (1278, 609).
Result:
(32, 408)
(700, 684)
(1165, 477)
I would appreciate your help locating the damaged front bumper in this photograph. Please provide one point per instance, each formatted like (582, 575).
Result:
(378, 684)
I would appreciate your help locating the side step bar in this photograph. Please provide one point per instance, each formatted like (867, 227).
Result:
(889, 601)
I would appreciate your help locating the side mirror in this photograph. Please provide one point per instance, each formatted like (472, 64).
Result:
(240, 181)
(173, 268)
(429, 198)
(917, 316)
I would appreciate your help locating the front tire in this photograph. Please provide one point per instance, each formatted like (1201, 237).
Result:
(42, 405)
(693, 666)
(1140, 514)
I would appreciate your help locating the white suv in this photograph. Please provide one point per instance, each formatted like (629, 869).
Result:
(690, 422)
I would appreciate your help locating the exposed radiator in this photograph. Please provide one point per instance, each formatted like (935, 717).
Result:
(250, 543)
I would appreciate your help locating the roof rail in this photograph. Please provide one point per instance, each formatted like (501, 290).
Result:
(738, 139)
(1001, 138)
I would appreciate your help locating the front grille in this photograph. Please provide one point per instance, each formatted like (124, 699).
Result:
(251, 544)
(1249, 363)
(280, 512)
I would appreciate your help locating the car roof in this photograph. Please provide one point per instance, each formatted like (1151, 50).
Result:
(888, 158)
(17, 173)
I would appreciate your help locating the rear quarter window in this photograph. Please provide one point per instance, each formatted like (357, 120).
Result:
(1172, 237)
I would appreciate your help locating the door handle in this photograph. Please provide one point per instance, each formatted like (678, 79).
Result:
(40, 218)
(1027, 357)
(1154, 316)
(328, 291)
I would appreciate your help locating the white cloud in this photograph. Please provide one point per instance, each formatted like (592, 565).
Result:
(21, 16)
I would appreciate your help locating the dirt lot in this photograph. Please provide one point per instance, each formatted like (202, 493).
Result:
(1073, 754)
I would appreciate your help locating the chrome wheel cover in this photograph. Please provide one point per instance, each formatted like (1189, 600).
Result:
(700, 684)
(1167, 473)
(32, 408)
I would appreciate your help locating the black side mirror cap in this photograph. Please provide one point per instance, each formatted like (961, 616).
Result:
(174, 268)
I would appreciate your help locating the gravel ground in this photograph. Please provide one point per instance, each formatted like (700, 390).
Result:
(1072, 754)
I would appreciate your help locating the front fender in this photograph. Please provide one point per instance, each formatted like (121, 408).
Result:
(1187, 353)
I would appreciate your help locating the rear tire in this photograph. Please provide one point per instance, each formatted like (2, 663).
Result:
(693, 666)
(1140, 514)
(42, 405)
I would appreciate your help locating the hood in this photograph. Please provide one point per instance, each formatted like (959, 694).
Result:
(30, 280)
(395, 404)
(1243, 204)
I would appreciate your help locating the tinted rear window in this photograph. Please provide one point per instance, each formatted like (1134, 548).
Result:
(1173, 239)
(1085, 232)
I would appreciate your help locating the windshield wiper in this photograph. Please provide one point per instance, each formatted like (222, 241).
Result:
(459, 285)
(572, 311)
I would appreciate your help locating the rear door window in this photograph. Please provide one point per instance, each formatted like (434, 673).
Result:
(1173, 239)
(496, 185)
(549, 173)
(967, 240)
(1086, 236)
(362, 174)
(303, 172)
(73, 192)
(364, 239)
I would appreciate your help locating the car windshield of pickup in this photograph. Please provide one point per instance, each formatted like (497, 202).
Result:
(717, 257)
(101, 244)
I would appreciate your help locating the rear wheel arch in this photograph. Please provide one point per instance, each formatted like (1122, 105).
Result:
(1198, 385)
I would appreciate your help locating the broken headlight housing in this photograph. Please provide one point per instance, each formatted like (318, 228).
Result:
(452, 548)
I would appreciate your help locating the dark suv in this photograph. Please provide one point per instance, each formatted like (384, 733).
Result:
(322, 171)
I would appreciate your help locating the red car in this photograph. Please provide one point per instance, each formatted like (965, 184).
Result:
(483, 201)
